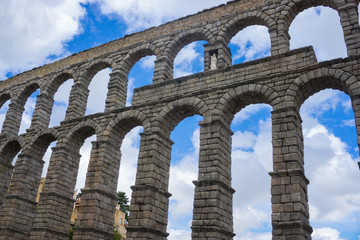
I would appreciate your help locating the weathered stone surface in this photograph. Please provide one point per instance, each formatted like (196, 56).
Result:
(284, 80)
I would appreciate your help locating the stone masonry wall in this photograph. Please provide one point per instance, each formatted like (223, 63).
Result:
(284, 81)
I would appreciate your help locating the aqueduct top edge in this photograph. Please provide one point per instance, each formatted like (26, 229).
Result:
(135, 38)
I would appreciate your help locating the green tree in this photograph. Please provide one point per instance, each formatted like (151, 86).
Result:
(117, 235)
(123, 203)
(78, 195)
(71, 233)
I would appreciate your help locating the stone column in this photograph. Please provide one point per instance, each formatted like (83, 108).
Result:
(5, 175)
(117, 91)
(95, 219)
(212, 216)
(218, 52)
(349, 18)
(42, 112)
(163, 70)
(6, 157)
(52, 219)
(12, 120)
(290, 211)
(280, 39)
(77, 100)
(150, 197)
(19, 204)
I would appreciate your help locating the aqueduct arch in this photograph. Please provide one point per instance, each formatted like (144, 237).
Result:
(283, 80)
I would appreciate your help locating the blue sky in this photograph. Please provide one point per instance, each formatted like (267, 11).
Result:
(38, 32)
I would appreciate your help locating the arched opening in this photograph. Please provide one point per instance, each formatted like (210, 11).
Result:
(190, 59)
(3, 111)
(127, 175)
(24, 184)
(331, 155)
(29, 108)
(251, 161)
(104, 162)
(251, 43)
(98, 89)
(84, 151)
(61, 102)
(183, 171)
(46, 159)
(141, 74)
(321, 28)
(4, 106)
(60, 181)
(8, 158)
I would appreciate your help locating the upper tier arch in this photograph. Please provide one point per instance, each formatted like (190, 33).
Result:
(134, 55)
(244, 20)
(320, 79)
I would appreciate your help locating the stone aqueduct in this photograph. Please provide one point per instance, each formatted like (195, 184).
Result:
(284, 80)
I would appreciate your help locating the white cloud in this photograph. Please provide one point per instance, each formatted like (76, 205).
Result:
(3, 111)
(247, 112)
(251, 162)
(179, 234)
(321, 28)
(253, 42)
(348, 123)
(46, 159)
(332, 172)
(148, 63)
(85, 152)
(184, 61)
(182, 173)
(130, 91)
(141, 14)
(333, 193)
(98, 91)
(187, 54)
(129, 159)
(63, 92)
(326, 100)
(254, 236)
(61, 102)
(28, 112)
(31, 31)
(249, 218)
(243, 140)
(326, 234)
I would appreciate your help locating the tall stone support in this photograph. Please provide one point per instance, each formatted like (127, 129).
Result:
(150, 197)
(349, 18)
(163, 70)
(12, 120)
(218, 52)
(21, 198)
(5, 175)
(117, 91)
(77, 100)
(95, 219)
(280, 39)
(52, 220)
(212, 216)
(6, 157)
(42, 112)
(290, 211)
